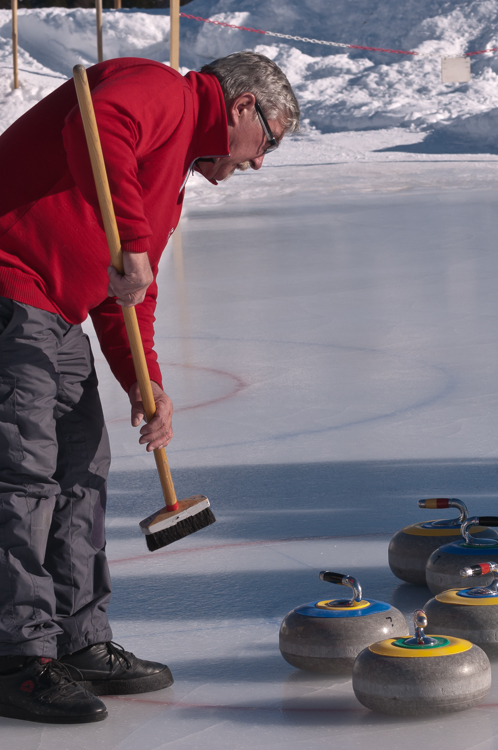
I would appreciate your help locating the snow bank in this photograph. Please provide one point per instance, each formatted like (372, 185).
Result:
(338, 90)
(465, 134)
(358, 90)
(57, 37)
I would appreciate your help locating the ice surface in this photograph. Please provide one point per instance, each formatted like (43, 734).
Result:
(334, 361)
(332, 327)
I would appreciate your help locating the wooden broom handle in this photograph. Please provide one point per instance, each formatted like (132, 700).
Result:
(112, 234)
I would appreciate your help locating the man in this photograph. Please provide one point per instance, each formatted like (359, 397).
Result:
(56, 653)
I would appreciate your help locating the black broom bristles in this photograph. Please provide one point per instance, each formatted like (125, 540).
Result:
(180, 530)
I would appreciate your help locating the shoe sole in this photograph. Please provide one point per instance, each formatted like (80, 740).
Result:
(146, 684)
(12, 712)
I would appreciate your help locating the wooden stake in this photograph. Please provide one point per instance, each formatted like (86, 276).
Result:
(174, 34)
(117, 4)
(14, 44)
(100, 46)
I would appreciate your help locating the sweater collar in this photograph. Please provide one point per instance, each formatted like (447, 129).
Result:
(211, 126)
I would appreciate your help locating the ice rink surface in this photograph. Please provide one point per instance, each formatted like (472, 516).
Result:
(333, 357)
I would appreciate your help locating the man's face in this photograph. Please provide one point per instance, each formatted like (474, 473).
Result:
(246, 138)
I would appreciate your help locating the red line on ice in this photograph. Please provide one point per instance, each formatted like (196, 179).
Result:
(180, 704)
(210, 547)
(239, 386)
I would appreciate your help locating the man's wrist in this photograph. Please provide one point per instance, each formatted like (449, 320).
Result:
(140, 245)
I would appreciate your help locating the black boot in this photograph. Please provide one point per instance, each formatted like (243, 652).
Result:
(38, 689)
(107, 669)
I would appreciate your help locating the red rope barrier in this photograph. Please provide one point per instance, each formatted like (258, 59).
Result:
(380, 49)
(481, 51)
(221, 23)
(330, 44)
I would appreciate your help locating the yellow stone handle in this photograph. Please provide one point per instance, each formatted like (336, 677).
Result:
(112, 234)
(433, 503)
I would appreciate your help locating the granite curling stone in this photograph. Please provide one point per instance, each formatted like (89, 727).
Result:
(410, 548)
(326, 636)
(421, 676)
(443, 568)
(470, 613)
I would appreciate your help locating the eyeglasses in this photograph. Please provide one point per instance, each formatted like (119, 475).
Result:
(272, 141)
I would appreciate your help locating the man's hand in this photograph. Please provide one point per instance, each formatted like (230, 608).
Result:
(130, 287)
(158, 432)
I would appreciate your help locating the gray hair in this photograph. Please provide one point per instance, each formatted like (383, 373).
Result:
(256, 74)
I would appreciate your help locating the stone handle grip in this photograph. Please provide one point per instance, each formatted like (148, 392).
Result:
(446, 502)
(330, 577)
(481, 569)
(342, 580)
(432, 503)
(487, 520)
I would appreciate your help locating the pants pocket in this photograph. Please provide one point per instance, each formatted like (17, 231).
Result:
(11, 450)
(6, 313)
(98, 526)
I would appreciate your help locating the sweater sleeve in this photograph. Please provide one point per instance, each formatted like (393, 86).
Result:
(137, 111)
(109, 326)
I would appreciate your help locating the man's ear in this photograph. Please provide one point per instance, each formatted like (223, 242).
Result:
(242, 104)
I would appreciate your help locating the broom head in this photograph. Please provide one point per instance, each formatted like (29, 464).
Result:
(164, 527)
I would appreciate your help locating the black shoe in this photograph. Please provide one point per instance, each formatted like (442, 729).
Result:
(107, 669)
(38, 689)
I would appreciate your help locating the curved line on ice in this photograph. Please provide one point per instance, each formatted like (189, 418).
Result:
(447, 387)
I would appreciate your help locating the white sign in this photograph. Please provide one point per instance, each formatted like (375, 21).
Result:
(455, 69)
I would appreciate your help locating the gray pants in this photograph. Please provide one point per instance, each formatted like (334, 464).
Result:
(54, 459)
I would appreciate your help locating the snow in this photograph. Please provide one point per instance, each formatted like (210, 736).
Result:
(327, 330)
(338, 90)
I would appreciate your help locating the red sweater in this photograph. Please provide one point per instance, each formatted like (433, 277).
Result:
(153, 124)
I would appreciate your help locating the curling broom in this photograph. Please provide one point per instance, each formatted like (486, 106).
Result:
(178, 518)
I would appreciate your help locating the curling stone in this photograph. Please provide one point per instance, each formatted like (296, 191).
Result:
(326, 636)
(421, 675)
(443, 568)
(469, 613)
(410, 548)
